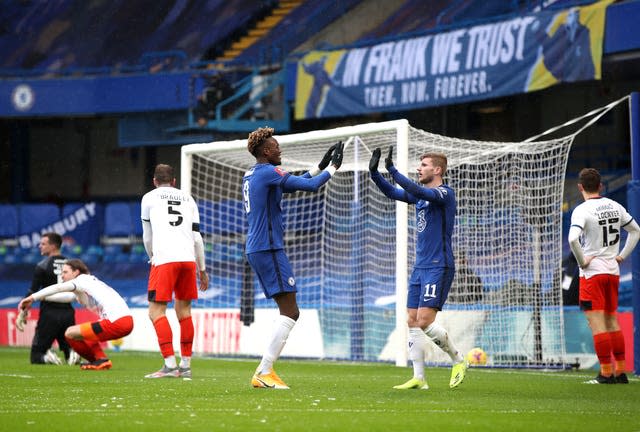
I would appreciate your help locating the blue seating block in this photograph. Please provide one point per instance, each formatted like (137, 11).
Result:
(37, 218)
(117, 220)
(9, 225)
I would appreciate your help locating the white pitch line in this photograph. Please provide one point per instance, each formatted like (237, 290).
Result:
(15, 375)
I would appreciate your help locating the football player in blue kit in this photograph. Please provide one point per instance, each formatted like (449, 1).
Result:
(434, 267)
(262, 189)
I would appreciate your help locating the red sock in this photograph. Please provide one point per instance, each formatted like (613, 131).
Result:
(90, 350)
(186, 336)
(602, 344)
(617, 345)
(96, 346)
(82, 348)
(165, 336)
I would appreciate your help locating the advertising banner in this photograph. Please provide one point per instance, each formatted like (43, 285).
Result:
(519, 55)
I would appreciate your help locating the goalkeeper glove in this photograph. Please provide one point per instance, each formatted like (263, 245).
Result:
(21, 319)
(336, 160)
(388, 162)
(326, 159)
(375, 159)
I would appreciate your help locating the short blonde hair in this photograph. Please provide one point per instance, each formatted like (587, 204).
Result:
(257, 138)
(438, 159)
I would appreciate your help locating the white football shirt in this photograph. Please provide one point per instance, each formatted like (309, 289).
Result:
(601, 220)
(100, 297)
(172, 214)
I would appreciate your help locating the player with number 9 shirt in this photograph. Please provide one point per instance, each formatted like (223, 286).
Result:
(262, 189)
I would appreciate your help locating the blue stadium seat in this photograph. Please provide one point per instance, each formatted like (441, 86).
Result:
(9, 225)
(114, 253)
(135, 218)
(118, 226)
(92, 255)
(38, 218)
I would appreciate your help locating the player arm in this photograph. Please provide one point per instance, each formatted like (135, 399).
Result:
(63, 297)
(574, 244)
(147, 237)
(37, 281)
(46, 292)
(632, 239)
(293, 183)
(199, 249)
(390, 191)
(413, 188)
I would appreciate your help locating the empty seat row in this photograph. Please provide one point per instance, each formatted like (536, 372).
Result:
(82, 223)
(114, 223)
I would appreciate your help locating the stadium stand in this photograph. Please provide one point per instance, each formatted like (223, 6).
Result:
(300, 24)
(118, 224)
(414, 17)
(37, 217)
(9, 225)
(118, 34)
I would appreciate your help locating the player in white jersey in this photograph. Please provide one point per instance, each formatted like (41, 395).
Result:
(115, 318)
(594, 238)
(171, 236)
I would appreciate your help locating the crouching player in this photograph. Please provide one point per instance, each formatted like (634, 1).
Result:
(116, 320)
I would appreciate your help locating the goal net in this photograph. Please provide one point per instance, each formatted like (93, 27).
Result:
(352, 249)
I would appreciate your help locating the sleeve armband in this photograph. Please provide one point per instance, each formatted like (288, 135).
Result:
(195, 227)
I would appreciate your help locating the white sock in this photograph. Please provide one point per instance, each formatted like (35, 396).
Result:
(185, 362)
(283, 327)
(170, 362)
(416, 351)
(440, 337)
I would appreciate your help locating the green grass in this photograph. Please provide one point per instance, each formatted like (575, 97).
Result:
(326, 396)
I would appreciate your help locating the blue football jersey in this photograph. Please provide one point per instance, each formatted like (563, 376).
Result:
(434, 228)
(435, 217)
(262, 188)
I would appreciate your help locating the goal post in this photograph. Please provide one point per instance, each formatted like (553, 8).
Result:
(352, 249)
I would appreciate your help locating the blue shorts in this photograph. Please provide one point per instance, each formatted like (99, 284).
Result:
(273, 271)
(429, 287)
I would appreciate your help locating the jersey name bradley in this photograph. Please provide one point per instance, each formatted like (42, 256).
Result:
(173, 197)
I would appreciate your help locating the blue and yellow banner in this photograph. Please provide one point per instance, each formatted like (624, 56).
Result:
(523, 54)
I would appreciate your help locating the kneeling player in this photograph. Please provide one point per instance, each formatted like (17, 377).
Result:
(116, 320)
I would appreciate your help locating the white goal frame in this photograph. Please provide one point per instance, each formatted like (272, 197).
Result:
(401, 162)
(508, 228)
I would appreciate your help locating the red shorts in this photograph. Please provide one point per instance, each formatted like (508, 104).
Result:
(177, 278)
(105, 330)
(599, 293)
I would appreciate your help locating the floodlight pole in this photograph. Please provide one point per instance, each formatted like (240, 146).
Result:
(633, 198)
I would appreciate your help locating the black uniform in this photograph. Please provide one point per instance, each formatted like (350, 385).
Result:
(55, 318)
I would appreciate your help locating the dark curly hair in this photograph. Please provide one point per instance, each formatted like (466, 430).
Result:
(257, 138)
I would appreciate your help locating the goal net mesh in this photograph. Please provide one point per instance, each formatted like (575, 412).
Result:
(506, 297)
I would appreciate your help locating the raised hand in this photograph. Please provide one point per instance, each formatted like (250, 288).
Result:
(336, 159)
(375, 159)
(388, 162)
(326, 159)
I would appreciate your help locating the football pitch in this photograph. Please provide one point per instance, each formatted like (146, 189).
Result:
(324, 396)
